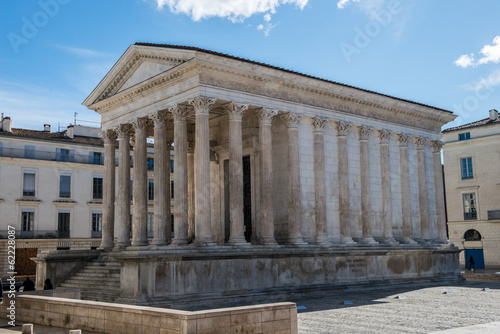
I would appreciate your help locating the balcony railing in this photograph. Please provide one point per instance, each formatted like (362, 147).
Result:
(52, 156)
(37, 234)
(494, 215)
(470, 215)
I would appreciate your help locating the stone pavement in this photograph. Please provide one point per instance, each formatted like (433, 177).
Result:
(424, 309)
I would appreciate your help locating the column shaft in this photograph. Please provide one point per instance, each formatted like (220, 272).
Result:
(343, 174)
(422, 190)
(266, 176)
(438, 183)
(203, 230)
(405, 190)
(124, 186)
(366, 208)
(385, 169)
(235, 112)
(319, 181)
(108, 214)
(191, 202)
(161, 180)
(140, 228)
(180, 175)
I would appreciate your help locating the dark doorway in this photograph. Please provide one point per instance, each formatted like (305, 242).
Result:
(25, 266)
(247, 200)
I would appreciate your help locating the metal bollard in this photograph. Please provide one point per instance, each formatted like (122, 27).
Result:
(27, 329)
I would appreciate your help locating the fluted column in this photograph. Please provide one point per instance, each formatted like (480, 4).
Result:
(319, 181)
(140, 229)
(180, 175)
(292, 121)
(123, 202)
(191, 203)
(438, 183)
(161, 180)
(385, 169)
(108, 203)
(422, 190)
(203, 232)
(366, 207)
(235, 112)
(266, 175)
(343, 174)
(405, 190)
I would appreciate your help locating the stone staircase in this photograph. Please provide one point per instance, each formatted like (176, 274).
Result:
(99, 280)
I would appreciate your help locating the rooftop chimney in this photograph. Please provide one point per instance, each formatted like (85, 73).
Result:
(493, 115)
(46, 127)
(6, 124)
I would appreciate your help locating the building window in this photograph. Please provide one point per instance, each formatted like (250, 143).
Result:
(151, 164)
(151, 217)
(151, 192)
(29, 151)
(96, 224)
(472, 235)
(97, 158)
(28, 218)
(97, 187)
(131, 190)
(131, 161)
(171, 166)
(171, 189)
(464, 136)
(63, 224)
(466, 168)
(29, 183)
(65, 186)
(63, 154)
(470, 206)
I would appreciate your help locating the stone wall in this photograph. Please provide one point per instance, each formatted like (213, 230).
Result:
(116, 318)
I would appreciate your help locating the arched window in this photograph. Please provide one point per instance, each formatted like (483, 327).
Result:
(472, 235)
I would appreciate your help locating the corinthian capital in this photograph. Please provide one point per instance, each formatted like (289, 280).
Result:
(159, 118)
(235, 110)
(420, 142)
(291, 119)
(108, 136)
(140, 125)
(403, 139)
(437, 145)
(201, 104)
(319, 124)
(265, 116)
(123, 130)
(179, 112)
(364, 132)
(384, 135)
(342, 128)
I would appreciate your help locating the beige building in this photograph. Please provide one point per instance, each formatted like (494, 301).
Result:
(51, 191)
(472, 179)
(283, 182)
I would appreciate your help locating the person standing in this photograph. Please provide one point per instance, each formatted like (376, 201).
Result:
(472, 264)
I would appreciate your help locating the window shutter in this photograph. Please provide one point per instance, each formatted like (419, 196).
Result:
(91, 157)
(58, 154)
(72, 155)
(1, 144)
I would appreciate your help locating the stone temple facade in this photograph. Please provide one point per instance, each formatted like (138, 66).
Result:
(283, 182)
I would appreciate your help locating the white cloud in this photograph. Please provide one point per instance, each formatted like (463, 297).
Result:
(491, 54)
(488, 82)
(465, 61)
(87, 53)
(342, 3)
(235, 10)
(267, 17)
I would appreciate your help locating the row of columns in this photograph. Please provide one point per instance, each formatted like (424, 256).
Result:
(192, 209)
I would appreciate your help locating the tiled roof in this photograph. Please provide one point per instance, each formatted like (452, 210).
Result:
(483, 122)
(51, 136)
(193, 48)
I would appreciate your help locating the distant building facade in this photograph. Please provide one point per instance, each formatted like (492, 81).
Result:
(472, 180)
(51, 190)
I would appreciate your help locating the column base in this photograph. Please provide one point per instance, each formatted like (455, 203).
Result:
(443, 241)
(159, 243)
(347, 241)
(323, 242)
(407, 241)
(139, 243)
(106, 246)
(179, 242)
(268, 241)
(297, 242)
(367, 241)
(421, 241)
(207, 242)
(238, 242)
(121, 245)
(389, 241)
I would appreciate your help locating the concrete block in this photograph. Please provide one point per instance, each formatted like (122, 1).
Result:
(27, 329)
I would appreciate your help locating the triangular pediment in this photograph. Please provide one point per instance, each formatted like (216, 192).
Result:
(136, 65)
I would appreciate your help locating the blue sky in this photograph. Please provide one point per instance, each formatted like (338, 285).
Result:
(443, 53)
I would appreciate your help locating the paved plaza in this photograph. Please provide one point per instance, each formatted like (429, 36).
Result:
(423, 310)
